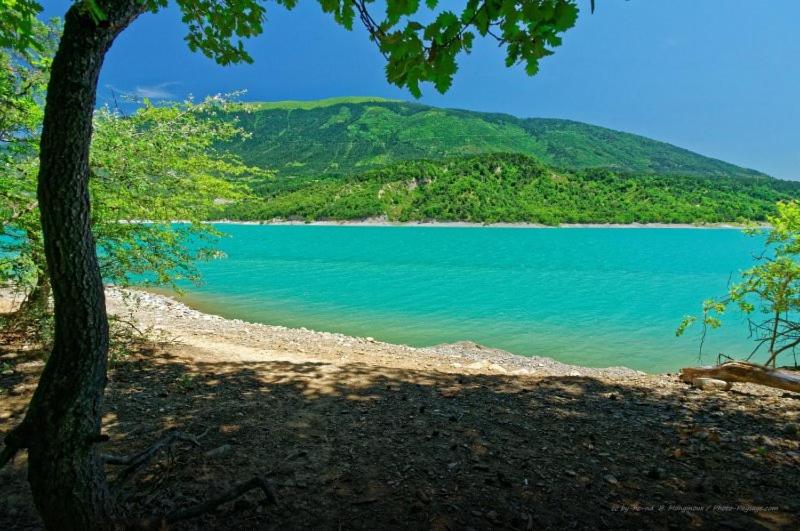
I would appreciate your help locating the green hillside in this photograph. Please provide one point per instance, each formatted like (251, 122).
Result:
(515, 188)
(350, 135)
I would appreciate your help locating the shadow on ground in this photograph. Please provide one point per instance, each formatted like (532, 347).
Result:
(361, 447)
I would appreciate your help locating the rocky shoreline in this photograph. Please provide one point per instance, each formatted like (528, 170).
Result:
(169, 316)
(385, 222)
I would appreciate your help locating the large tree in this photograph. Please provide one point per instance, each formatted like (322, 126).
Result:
(62, 427)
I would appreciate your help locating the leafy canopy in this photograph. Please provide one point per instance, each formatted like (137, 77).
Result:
(148, 169)
(18, 25)
(420, 44)
(158, 164)
(23, 80)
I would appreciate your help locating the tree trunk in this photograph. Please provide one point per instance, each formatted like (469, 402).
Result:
(739, 371)
(62, 425)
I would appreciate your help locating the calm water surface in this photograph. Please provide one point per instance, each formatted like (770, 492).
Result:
(593, 297)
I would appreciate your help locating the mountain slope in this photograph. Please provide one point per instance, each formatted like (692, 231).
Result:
(515, 188)
(350, 135)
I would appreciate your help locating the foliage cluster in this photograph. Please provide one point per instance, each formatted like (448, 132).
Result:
(515, 188)
(148, 170)
(19, 28)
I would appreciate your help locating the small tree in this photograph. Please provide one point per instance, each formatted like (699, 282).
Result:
(24, 73)
(149, 169)
(158, 164)
(768, 293)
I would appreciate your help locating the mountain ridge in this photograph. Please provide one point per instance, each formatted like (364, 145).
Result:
(348, 135)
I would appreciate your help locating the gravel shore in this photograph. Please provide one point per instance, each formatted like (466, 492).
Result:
(173, 318)
(385, 222)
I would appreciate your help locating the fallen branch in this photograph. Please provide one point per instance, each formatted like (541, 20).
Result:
(230, 495)
(742, 372)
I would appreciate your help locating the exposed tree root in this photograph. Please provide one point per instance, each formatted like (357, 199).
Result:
(161, 522)
(742, 372)
(134, 462)
(7, 454)
(229, 495)
(15, 441)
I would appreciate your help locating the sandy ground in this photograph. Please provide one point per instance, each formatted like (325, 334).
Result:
(359, 434)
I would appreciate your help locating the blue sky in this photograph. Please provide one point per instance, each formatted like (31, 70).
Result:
(720, 77)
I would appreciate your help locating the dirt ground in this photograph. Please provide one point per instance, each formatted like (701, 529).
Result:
(361, 435)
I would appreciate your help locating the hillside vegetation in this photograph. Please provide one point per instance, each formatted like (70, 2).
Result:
(351, 135)
(514, 188)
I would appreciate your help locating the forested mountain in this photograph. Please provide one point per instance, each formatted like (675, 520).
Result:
(351, 135)
(514, 188)
(351, 158)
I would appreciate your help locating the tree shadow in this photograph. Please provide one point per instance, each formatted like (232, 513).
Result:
(354, 446)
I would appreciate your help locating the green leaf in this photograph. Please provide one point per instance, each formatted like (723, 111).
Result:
(94, 10)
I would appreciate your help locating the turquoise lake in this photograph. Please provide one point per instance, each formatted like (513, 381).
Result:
(595, 296)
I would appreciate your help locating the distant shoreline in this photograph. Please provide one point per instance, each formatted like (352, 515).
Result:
(467, 224)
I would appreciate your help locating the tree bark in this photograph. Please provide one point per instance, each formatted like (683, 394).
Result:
(62, 424)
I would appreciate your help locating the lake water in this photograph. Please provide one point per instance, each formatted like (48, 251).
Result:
(593, 297)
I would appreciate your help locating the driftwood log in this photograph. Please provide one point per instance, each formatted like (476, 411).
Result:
(742, 372)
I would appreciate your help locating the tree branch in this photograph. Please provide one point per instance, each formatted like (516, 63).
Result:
(372, 27)
(738, 371)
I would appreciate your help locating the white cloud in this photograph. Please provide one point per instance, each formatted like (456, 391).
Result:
(154, 92)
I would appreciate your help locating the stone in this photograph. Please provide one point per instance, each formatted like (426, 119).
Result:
(423, 496)
(711, 384)
(497, 368)
(219, 451)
